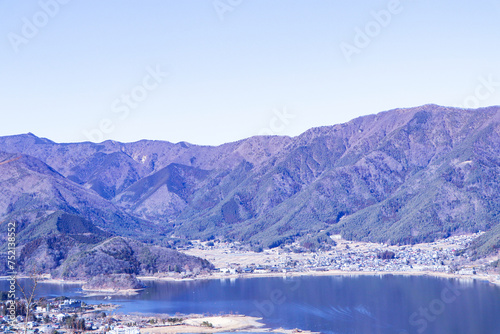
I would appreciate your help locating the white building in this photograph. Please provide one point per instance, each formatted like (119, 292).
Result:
(124, 330)
(60, 317)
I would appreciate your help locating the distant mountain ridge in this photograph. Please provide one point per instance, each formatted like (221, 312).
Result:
(400, 176)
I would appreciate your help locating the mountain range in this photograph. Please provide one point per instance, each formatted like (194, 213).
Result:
(401, 176)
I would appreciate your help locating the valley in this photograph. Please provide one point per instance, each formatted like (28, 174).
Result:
(400, 178)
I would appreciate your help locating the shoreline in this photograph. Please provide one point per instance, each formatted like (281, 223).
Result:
(197, 323)
(46, 280)
(220, 323)
(482, 277)
(110, 292)
(492, 279)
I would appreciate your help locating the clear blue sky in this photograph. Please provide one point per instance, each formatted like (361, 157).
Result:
(232, 68)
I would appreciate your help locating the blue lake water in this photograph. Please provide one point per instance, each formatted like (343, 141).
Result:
(326, 304)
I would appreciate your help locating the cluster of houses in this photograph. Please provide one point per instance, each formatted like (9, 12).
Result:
(56, 326)
(50, 315)
(440, 256)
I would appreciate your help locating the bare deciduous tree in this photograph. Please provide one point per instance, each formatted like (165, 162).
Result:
(29, 296)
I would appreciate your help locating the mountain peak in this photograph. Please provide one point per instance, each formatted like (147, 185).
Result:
(399, 176)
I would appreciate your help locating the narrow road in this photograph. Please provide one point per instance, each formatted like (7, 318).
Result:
(11, 160)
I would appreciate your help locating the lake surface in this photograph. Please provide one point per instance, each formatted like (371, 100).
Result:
(327, 304)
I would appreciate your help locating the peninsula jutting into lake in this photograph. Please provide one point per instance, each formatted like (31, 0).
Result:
(232, 166)
(349, 199)
(325, 304)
